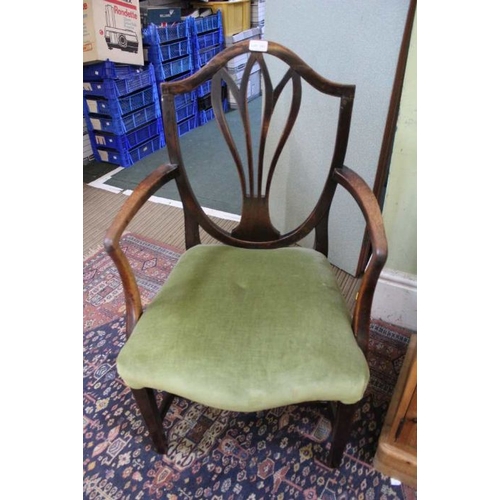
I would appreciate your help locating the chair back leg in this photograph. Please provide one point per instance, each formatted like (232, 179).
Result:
(342, 424)
(145, 399)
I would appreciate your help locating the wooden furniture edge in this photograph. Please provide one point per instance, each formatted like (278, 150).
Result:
(392, 458)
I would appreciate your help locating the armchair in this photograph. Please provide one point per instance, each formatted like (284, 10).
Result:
(257, 321)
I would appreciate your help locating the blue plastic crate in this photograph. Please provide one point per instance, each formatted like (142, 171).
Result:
(168, 69)
(123, 105)
(118, 87)
(209, 23)
(158, 53)
(204, 89)
(203, 56)
(184, 99)
(181, 99)
(186, 110)
(187, 125)
(209, 39)
(127, 158)
(153, 34)
(124, 124)
(205, 102)
(206, 115)
(127, 141)
(109, 69)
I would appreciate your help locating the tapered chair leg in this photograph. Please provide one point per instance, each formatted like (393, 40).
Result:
(145, 399)
(341, 431)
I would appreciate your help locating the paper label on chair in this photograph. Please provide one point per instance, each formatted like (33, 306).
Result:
(258, 45)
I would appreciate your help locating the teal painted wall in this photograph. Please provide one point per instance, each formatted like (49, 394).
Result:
(354, 42)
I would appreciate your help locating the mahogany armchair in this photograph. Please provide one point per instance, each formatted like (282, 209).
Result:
(257, 321)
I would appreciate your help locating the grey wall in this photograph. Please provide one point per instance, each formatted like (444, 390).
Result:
(349, 41)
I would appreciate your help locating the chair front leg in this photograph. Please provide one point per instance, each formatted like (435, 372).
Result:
(145, 399)
(341, 431)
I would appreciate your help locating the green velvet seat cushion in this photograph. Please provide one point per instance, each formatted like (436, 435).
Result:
(246, 330)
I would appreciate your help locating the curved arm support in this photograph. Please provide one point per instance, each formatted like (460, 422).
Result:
(369, 206)
(132, 205)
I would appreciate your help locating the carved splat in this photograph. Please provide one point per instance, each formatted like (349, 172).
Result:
(255, 176)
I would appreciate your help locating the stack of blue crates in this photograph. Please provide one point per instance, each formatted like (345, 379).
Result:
(208, 41)
(121, 102)
(170, 50)
(122, 111)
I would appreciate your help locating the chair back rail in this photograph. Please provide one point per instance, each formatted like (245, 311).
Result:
(255, 229)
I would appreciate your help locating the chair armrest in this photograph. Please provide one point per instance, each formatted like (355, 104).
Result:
(369, 206)
(132, 205)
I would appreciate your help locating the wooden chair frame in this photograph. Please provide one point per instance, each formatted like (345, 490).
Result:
(255, 229)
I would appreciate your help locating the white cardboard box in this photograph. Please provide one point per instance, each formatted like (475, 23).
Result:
(249, 34)
(253, 89)
(112, 30)
(237, 65)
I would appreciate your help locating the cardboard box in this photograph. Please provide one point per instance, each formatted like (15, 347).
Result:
(159, 14)
(235, 14)
(236, 66)
(253, 90)
(112, 30)
(258, 12)
(259, 15)
(163, 3)
(250, 34)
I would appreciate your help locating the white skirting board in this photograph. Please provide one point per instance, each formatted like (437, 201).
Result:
(395, 299)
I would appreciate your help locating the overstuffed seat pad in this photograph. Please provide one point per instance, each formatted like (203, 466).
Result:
(246, 330)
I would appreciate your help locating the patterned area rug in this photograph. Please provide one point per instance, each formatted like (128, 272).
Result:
(103, 299)
(274, 454)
